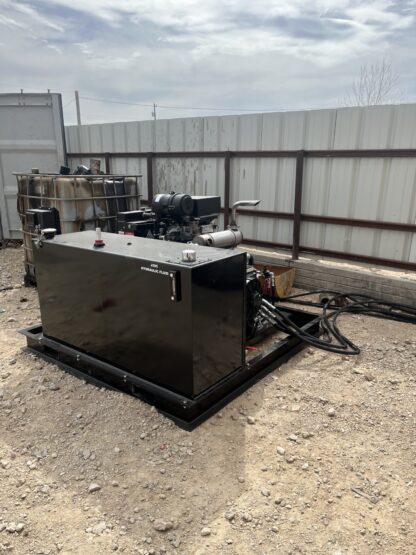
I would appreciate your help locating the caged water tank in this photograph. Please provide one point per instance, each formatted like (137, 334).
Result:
(71, 203)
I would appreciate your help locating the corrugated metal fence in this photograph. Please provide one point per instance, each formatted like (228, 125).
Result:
(348, 175)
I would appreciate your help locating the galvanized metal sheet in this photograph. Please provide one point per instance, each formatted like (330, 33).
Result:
(31, 135)
(379, 189)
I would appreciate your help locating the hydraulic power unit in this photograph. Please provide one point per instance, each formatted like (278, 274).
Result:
(168, 322)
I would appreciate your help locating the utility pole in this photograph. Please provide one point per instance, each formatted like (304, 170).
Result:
(154, 111)
(78, 108)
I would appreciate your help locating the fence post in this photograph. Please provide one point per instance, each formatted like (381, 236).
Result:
(297, 211)
(149, 159)
(107, 162)
(227, 181)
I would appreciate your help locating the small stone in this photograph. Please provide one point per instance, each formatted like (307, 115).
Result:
(251, 420)
(278, 500)
(13, 527)
(293, 437)
(369, 377)
(53, 387)
(305, 466)
(93, 487)
(295, 408)
(99, 528)
(357, 371)
(86, 454)
(162, 525)
(206, 531)
(331, 412)
(265, 492)
(12, 361)
(307, 435)
(117, 450)
(280, 450)
(289, 459)
(229, 515)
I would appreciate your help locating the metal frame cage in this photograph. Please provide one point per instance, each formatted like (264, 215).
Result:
(82, 201)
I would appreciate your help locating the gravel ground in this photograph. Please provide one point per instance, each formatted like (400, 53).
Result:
(319, 457)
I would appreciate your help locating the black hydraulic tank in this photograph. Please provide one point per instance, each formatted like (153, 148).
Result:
(135, 304)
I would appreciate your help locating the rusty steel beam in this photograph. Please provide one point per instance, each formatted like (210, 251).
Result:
(337, 254)
(227, 187)
(149, 159)
(107, 156)
(297, 211)
(88, 154)
(390, 226)
(347, 153)
(363, 153)
(180, 154)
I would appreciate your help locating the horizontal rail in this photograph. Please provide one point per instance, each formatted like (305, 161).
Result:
(336, 254)
(89, 176)
(333, 220)
(334, 153)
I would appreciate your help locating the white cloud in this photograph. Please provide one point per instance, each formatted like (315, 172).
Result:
(231, 53)
(36, 17)
(244, 27)
(10, 22)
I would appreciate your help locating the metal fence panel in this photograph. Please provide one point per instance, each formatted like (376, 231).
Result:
(382, 189)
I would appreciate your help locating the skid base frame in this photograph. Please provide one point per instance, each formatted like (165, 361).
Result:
(186, 412)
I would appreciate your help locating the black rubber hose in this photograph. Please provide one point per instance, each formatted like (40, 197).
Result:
(358, 303)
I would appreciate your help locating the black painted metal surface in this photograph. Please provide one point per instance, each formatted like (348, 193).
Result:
(133, 303)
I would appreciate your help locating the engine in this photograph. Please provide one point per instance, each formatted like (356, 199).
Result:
(183, 218)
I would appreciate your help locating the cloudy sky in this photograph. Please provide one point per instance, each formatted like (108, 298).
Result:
(196, 57)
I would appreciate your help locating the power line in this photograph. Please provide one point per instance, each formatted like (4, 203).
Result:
(170, 107)
(116, 101)
(69, 103)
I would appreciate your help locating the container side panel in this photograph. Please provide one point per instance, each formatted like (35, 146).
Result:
(31, 136)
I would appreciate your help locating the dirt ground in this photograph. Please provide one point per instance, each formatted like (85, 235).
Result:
(319, 457)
